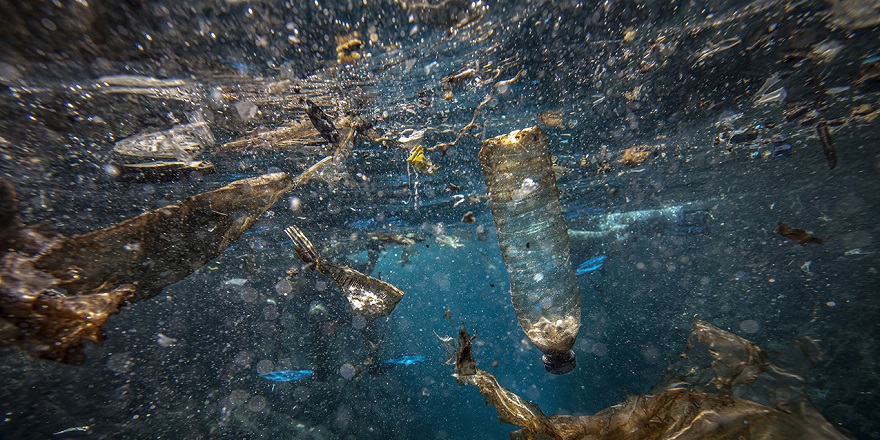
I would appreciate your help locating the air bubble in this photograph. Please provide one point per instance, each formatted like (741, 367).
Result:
(265, 366)
(749, 326)
(346, 371)
(283, 287)
(257, 403)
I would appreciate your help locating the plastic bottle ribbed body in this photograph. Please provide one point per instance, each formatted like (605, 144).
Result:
(517, 168)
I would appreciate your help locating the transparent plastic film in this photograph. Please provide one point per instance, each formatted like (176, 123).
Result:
(534, 242)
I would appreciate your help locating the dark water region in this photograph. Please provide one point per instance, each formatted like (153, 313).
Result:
(681, 133)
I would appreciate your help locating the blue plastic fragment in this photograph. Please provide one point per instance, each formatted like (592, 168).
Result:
(407, 360)
(781, 148)
(591, 265)
(287, 375)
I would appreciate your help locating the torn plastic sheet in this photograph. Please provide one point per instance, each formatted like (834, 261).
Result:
(56, 292)
(681, 412)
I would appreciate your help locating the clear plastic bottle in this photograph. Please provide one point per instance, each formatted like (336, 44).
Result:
(517, 168)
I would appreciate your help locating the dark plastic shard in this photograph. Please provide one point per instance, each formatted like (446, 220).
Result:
(10, 224)
(827, 143)
(367, 296)
(797, 235)
(465, 365)
(161, 247)
(679, 413)
(322, 122)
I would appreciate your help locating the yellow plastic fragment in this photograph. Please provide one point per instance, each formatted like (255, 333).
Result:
(420, 161)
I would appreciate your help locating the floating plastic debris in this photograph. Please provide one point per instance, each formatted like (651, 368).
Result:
(765, 88)
(449, 241)
(297, 132)
(288, 375)
(100, 271)
(465, 364)
(347, 49)
(181, 142)
(675, 220)
(322, 122)
(743, 135)
(164, 238)
(806, 267)
(827, 143)
(306, 175)
(407, 360)
(675, 412)
(713, 49)
(446, 14)
(781, 148)
(777, 96)
(796, 235)
(727, 118)
(634, 156)
(165, 341)
(591, 265)
(367, 296)
(412, 138)
(552, 118)
(138, 81)
(534, 242)
(84, 428)
(176, 89)
(403, 239)
(420, 161)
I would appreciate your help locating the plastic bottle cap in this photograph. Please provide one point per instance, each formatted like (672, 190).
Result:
(559, 363)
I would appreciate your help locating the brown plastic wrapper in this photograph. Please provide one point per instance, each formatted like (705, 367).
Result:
(161, 247)
(684, 413)
(56, 292)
